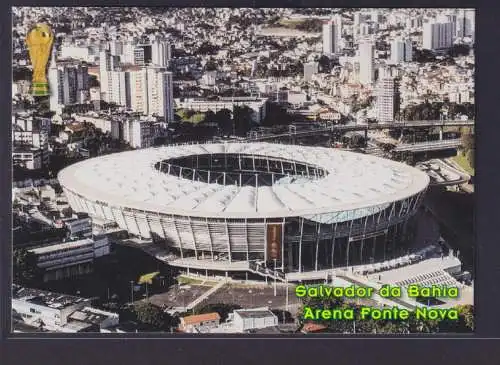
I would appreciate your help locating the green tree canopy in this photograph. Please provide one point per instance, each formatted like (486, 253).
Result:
(25, 269)
(153, 316)
(242, 119)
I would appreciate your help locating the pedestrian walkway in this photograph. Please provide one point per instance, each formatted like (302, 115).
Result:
(205, 295)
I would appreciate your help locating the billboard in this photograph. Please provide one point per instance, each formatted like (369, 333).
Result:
(274, 241)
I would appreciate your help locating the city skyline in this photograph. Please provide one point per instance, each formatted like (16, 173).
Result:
(201, 164)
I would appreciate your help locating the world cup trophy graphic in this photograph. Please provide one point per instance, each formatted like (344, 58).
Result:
(39, 41)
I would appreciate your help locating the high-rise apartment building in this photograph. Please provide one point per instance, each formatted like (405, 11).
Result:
(151, 92)
(116, 48)
(437, 35)
(127, 56)
(331, 37)
(68, 83)
(142, 54)
(160, 52)
(366, 55)
(139, 90)
(119, 88)
(310, 69)
(387, 104)
(105, 66)
(465, 23)
(160, 93)
(401, 50)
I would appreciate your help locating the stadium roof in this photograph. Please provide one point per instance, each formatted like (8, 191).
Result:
(355, 182)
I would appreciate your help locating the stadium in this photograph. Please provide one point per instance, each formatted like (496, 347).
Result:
(227, 206)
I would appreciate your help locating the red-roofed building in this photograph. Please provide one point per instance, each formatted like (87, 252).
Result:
(199, 322)
(312, 327)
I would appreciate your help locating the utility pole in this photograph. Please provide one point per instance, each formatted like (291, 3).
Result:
(274, 277)
(286, 304)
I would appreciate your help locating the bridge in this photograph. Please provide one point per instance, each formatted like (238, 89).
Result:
(328, 127)
(428, 146)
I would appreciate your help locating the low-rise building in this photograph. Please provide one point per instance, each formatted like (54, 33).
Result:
(58, 312)
(249, 319)
(140, 133)
(200, 322)
(79, 227)
(70, 259)
(258, 105)
(29, 158)
(105, 123)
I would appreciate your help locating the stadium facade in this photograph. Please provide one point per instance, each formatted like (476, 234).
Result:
(232, 204)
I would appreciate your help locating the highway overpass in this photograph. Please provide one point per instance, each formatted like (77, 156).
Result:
(317, 129)
(429, 146)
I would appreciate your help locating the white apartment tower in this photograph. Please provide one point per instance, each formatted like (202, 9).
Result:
(167, 90)
(54, 84)
(466, 23)
(366, 54)
(310, 69)
(127, 55)
(116, 48)
(331, 37)
(401, 50)
(151, 92)
(139, 91)
(387, 104)
(68, 83)
(160, 93)
(105, 66)
(119, 88)
(437, 35)
(160, 52)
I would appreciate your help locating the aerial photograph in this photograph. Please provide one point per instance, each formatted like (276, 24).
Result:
(243, 171)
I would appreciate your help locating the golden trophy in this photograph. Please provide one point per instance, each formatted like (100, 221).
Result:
(39, 41)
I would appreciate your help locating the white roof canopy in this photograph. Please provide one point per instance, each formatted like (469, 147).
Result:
(354, 181)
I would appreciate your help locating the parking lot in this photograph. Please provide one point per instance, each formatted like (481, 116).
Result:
(179, 295)
(254, 296)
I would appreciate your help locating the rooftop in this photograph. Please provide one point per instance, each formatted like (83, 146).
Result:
(254, 313)
(90, 315)
(356, 184)
(45, 298)
(62, 246)
(313, 327)
(196, 319)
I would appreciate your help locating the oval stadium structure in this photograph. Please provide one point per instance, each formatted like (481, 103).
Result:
(226, 206)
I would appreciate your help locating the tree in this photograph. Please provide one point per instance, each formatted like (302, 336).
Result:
(467, 141)
(223, 119)
(211, 65)
(209, 116)
(153, 316)
(207, 48)
(458, 50)
(324, 64)
(470, 157)
(242, 116)
(424, 56)
(276, 115)
(25, 269)
(466, 313)
(310, 25)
